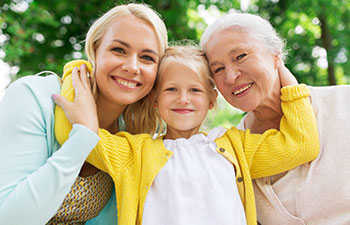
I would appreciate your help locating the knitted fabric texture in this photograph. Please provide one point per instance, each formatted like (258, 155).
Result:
(67, 91)
(133, 161)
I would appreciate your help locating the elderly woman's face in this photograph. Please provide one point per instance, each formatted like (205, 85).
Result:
(243, 69)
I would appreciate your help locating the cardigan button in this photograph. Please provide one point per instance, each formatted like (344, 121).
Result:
(239, 179)
(222, 150)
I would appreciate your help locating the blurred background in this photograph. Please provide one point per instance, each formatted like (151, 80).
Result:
(37, 35)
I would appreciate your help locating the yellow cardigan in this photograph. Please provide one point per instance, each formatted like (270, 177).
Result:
(133, 161)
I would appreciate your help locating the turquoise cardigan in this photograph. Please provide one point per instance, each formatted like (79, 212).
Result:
(34, 176)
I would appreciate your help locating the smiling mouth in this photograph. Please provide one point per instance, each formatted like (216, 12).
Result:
(243, 89)
(182, 111)
(130, 84)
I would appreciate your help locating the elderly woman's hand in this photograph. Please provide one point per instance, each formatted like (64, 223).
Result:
(286, 77)
(83, 109)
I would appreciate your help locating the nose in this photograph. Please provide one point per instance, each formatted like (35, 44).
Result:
(131, 65)
(232, 74)
(183, 98)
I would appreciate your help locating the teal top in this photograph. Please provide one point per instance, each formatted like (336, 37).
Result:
(36, 173)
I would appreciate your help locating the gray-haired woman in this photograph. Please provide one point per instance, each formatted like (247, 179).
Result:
(243, 51)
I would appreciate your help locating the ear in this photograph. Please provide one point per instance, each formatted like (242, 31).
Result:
(212, 103)
(153, 99)
(155, 103)
(277, 60)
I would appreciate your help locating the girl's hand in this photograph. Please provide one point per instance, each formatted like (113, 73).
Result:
(83, 109)
(286, 77)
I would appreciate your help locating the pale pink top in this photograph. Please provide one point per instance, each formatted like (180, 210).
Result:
(316, 193)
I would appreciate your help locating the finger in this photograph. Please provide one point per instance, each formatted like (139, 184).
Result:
(61, 101)
(76, 81)
(83, 76)
(286, 77)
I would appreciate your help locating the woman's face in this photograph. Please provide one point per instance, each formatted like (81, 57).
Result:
(126, 61)
(243, 69)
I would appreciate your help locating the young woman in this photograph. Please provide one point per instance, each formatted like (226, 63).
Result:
(187, 177)
(238, 47)
(42, 181)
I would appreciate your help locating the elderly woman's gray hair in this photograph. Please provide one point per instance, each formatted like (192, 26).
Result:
(254, 25)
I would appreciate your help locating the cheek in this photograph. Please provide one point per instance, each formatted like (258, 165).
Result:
(225, 90)
(150, 75)
(219, 81)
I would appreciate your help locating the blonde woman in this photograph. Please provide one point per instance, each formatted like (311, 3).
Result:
(40, 180)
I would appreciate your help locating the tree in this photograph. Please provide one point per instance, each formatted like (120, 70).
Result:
(313, 28)
(43, 35)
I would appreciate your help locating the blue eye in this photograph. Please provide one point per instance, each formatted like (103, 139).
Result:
(148, 58)
(218, 69)
(170, 89)
(120, 50)
(241, 56)
(195, 90)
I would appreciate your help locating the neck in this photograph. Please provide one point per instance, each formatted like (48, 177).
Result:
(108, 114)
(175, 134)
(265, 116)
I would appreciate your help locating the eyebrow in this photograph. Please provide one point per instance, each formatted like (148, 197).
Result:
(128, 46)
(230, 53)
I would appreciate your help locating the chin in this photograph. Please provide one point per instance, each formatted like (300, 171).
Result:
(245, 107)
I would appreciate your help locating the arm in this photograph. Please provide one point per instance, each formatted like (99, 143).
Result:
(34, 176)
(296, 143)
(76, 105)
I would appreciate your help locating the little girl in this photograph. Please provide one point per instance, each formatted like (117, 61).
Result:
(188, 177)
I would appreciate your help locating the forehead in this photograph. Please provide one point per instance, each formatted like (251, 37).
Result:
(230, 40)
(129, 29)
(178, 72)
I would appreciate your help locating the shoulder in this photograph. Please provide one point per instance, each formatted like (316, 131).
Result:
(330, 94)
(38, 81)
(31, 93)
(326, 90)
(36, 84)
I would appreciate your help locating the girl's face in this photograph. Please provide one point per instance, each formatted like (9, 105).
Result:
(182, 100)
(126, 62)
(243, 69)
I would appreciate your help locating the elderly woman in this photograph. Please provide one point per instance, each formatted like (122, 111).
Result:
(244, 51)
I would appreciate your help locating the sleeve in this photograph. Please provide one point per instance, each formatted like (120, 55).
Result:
(114, 151)
(296, 143)
(33, 180)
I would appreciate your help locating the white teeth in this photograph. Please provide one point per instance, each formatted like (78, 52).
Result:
(242, 89)
(126, 83)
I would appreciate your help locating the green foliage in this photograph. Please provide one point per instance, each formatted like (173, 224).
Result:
(49, 33)
(44, 34)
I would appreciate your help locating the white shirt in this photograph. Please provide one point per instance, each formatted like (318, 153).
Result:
(196, 186)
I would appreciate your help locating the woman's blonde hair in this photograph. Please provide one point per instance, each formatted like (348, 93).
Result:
(191, 56)
(133, 118)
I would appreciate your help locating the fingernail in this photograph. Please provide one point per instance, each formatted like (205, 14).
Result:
(83, 66)
(54, 97)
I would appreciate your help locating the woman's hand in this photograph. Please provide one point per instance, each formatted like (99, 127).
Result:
(83, 109)
(286, 77)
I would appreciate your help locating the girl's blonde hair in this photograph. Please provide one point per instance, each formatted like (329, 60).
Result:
(191, 56)
(134, 121)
